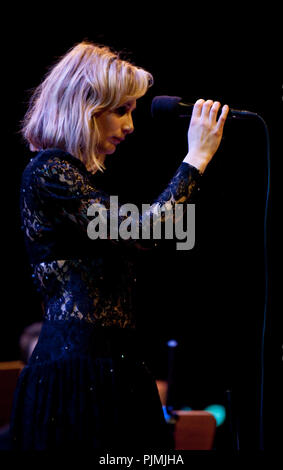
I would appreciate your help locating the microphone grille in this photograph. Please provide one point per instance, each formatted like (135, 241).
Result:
(164, 104)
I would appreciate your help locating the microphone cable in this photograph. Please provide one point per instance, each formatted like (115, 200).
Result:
(173, 104)
(265, 248)
(266, 283)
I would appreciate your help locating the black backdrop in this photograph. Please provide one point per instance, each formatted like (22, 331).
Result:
(210, 299)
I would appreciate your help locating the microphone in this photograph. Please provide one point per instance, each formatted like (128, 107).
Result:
(172, 105)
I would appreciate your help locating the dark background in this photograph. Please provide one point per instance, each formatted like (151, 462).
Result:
(210, 299)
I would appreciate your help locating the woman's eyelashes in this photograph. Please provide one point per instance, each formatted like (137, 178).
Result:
(121, 110)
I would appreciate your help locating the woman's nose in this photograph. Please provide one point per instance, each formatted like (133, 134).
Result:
(128, 125)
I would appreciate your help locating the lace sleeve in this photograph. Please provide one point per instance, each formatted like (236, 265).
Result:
(69, 193)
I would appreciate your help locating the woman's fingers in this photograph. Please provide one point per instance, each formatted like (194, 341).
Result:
(214, 111)
(206, 109)
(197, 108)
(222, 117)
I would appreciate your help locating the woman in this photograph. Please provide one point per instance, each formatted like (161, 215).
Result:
(86, 383)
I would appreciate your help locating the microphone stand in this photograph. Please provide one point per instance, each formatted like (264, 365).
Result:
(171, 417)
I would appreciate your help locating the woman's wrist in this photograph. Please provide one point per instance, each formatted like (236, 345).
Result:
(197, 161)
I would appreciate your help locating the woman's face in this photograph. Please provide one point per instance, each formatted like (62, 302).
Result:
(114, 125)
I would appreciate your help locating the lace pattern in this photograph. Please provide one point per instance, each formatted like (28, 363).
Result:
(87, 290)
(78, 277)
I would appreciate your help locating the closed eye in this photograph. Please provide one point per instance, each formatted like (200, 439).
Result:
(124, 109)
(121, 110)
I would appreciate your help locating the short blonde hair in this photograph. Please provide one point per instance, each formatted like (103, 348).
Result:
(89, 79)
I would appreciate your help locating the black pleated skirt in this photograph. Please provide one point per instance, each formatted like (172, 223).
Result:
(87, 388)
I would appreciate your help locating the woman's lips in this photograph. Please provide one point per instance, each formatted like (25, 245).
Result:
(116, 140)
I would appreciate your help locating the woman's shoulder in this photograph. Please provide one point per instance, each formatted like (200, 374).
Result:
(56, 156)
(53, 161)
(55, 173)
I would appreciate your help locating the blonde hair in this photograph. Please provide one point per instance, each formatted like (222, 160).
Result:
(89, 79)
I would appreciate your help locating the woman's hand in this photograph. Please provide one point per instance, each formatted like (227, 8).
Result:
(205, 132)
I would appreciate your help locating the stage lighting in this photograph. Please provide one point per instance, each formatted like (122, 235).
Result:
(218, 412)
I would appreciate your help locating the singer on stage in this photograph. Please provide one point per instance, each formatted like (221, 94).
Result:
(86, 385)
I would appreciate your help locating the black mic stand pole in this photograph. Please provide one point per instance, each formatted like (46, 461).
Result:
(172, 417)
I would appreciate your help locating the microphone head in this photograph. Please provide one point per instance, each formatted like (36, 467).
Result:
(162, 105)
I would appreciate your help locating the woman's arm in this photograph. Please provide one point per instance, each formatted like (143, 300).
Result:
(67, 193)
(68, 190)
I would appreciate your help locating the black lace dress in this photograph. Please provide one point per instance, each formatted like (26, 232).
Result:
(86, 384)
